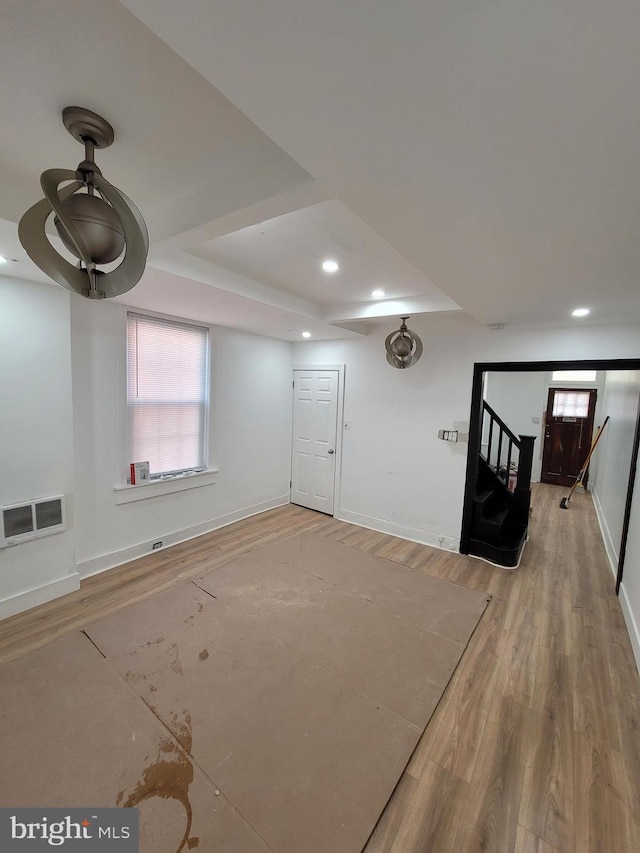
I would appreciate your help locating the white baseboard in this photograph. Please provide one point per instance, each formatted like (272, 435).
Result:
(423, 537)
(609, 544)
(632, 625)
(39, 595)
(95, 565)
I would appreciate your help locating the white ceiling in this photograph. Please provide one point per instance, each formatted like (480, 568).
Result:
(463, 156)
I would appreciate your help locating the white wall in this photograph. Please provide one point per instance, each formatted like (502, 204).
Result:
(63, 431)
(630, 586)
(396, 474)
(519, 398)
(250, 440)
(620, 402)
(252, 419)
(36, 436)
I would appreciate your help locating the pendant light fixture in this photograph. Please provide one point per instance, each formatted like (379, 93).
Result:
(96, 221)
(403, 347)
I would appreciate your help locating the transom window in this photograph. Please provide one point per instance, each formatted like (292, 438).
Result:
(167, 399)
(573, 376)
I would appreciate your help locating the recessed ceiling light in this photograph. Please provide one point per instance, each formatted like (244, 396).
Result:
(306, 334)
(378, 293)
(330, 265)
(580, 312)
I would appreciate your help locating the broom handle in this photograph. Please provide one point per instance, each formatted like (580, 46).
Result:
(583, 470)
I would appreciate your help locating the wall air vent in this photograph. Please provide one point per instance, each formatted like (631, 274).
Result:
(22, 522)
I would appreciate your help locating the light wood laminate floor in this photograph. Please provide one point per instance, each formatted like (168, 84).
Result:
(535, 744)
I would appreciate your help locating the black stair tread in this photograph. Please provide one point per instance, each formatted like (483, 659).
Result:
(488, 502)
(503, 553)
(497, 518)
(514, 528)
(511, 544)
(490, 527)
(487, 478)
(501, 545)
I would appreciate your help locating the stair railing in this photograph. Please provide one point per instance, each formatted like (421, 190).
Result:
(498, 431)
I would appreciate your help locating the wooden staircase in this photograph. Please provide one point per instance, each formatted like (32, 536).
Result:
(502, 493)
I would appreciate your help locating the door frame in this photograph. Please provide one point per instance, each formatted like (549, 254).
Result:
(475, 433)
(337, 481)
(593, 406)
(598, 385)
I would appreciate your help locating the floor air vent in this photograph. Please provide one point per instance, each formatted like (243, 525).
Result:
(22, 522)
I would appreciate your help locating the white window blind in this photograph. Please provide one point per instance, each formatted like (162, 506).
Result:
(166, 394)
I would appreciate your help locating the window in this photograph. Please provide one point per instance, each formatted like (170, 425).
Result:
(573, 376)
(167, 398)
(571, 404)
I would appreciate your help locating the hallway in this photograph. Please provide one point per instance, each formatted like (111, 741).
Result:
(534, 746)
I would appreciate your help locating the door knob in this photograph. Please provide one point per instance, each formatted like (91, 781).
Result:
(330, 450)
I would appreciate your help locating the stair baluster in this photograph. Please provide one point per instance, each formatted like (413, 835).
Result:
(501, 503)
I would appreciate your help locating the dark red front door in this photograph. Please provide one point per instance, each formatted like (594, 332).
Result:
(567, 437)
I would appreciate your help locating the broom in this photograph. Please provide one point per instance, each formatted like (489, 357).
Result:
(564, 503)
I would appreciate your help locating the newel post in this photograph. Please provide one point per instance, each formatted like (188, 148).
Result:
(522, 493)
(525, 461)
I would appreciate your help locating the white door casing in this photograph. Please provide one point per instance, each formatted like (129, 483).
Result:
(315, 433)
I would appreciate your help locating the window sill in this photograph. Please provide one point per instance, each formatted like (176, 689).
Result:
(180, 483)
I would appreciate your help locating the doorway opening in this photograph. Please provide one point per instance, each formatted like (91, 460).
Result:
(481, 370)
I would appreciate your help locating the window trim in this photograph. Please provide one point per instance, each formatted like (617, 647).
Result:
(165, 486)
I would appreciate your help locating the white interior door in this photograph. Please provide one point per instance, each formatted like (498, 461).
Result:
(315, 425)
